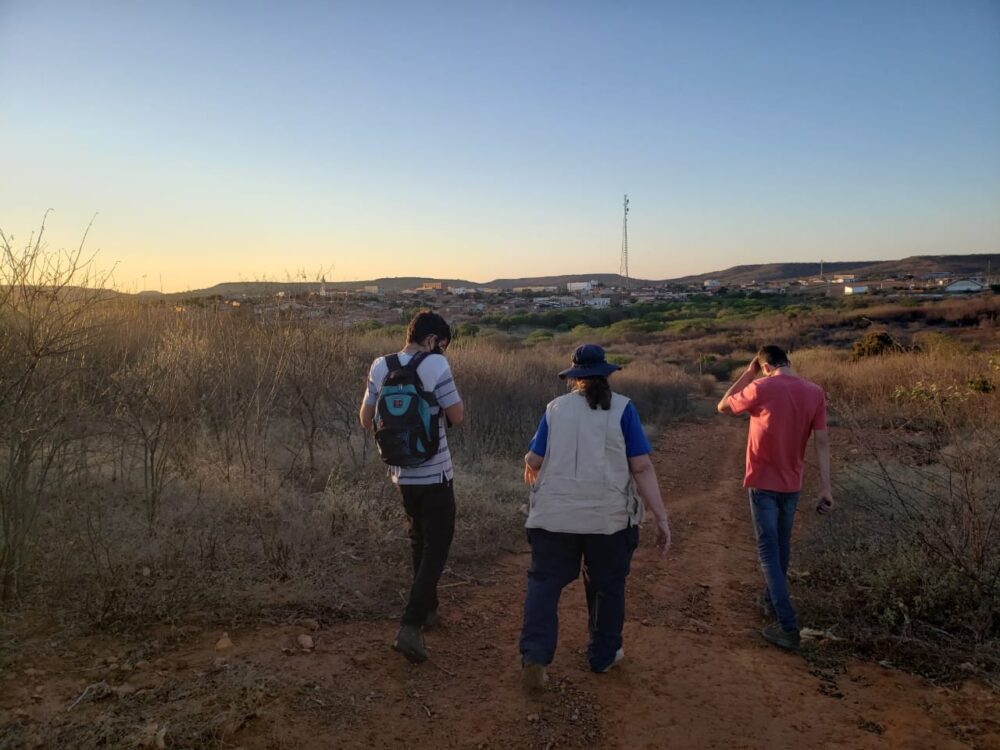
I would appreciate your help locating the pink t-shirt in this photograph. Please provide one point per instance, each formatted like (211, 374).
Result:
(784, 410)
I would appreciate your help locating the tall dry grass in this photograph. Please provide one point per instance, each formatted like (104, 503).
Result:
(909, 567)
(210, 460)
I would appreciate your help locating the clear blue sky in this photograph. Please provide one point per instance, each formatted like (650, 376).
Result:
(227, 140)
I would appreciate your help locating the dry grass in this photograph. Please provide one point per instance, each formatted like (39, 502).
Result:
(909, 567)
(214, 464)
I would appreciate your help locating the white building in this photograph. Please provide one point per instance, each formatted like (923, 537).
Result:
(579, 286)
(965, 285)
(598, 302)
(712, 284)
(849, 290)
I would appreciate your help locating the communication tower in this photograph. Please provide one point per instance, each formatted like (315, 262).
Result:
(623, 270)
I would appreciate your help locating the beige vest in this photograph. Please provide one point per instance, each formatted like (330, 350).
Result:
(584, 485)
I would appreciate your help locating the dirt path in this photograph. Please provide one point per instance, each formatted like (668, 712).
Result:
(697, 674)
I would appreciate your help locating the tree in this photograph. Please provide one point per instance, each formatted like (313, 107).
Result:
(47, 326)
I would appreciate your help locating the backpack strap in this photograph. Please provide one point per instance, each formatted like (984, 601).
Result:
(391, 363)
(415, 360)
(413, 364)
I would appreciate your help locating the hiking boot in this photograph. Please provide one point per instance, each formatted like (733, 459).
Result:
(782, 638)
(533, 676)
(766, 608)
(409, 643)
(432, 620)
(619, 655)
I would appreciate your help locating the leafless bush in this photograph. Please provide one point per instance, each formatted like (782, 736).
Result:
(162, 459)
(46, 329)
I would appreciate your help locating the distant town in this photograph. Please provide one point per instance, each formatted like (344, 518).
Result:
(387, 303)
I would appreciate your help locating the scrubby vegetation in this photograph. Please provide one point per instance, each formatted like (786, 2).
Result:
(909, 569)
(159, 462)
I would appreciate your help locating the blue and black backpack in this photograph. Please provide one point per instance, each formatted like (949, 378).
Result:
(406, 428)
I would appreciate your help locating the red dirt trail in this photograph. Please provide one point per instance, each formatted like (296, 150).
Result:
(697, 673)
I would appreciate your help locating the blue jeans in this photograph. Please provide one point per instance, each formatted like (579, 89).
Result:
(773, 514)
(555, 562)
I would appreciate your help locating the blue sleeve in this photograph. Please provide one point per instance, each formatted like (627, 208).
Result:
(540, 442)
(636, 443)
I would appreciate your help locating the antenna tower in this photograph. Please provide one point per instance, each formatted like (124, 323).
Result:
(623, 270)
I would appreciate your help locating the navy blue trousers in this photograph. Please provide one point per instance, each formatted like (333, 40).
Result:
(555, 562)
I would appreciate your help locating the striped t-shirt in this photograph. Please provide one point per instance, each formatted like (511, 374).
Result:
(435, 375)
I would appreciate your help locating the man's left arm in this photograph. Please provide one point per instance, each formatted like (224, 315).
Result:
(448, 399)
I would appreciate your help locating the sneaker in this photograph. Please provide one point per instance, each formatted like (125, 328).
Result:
(766, 608)
(619, 655)
(533, 676)
(409, 643)
(432, 620)
(782, 638)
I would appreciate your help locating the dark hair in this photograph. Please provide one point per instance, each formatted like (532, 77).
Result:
(597, 391)
(773, 355)
(427, 323)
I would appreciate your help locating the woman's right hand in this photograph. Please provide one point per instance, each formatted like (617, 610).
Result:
(662, 535)
(530, 475)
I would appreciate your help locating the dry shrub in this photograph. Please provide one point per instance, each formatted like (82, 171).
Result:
(909, 566)
(708, 384)
(223, 472)
(907, 388)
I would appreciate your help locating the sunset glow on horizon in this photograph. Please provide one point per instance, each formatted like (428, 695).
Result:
(226, 141)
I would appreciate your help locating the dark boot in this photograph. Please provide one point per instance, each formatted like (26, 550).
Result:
(410, 644)
(432, 620)
(534, 676)
(782, 638)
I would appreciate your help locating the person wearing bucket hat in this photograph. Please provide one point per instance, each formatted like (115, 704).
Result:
(590, 474)
(589, 361)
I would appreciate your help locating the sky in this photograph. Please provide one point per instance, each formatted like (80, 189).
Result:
(225, 141)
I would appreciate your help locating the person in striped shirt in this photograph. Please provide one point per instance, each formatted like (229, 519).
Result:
(427, 491)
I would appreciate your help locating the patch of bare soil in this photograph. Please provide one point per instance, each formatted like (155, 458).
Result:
(697, 673)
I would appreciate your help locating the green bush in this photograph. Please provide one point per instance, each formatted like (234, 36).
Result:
(875, 344)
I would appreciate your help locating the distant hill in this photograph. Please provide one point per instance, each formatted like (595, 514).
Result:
(773, 272)
(608, 279)
(391, 284)
(917, 265)
(254, 288)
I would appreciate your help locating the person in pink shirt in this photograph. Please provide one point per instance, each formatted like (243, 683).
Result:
(784, 410)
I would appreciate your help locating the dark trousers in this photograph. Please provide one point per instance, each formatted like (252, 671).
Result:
(555, 562)
(430, 510)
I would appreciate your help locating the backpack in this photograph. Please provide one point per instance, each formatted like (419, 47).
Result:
(406, 430)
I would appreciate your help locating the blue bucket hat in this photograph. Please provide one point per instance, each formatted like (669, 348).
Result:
(589, 362)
